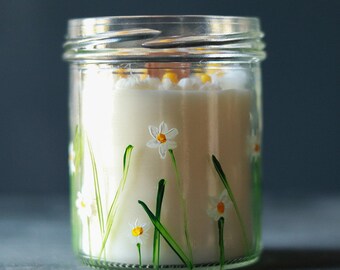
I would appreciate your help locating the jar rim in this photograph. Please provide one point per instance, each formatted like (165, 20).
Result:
(165, 18)
(143, 35)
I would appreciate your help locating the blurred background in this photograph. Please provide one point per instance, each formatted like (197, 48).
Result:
(301, 103)
(300, 81)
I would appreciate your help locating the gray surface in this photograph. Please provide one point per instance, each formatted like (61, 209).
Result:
(297, 234)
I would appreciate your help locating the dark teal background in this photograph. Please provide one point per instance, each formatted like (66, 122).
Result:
(300, 81)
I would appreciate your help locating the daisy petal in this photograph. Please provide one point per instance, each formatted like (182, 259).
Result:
(152, 143)
(162, 150)
(213, 214)
(171, 144)
(153, 131)
(71, 151)
(223, 195)
(163, 128)
(213, 200)
(88, 211)
(72, 167)
(172, 133)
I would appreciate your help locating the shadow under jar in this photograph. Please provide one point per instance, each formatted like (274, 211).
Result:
(165, 141)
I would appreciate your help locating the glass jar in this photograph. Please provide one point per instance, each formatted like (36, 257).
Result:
(165, 145)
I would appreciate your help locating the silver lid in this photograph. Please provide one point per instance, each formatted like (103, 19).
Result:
(163, 38)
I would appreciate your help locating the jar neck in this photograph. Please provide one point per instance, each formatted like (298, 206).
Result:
(164, 39)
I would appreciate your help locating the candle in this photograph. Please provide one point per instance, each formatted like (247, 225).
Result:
(202, 123)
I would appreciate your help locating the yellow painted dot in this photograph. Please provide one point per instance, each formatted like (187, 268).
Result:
(171, 76)
(161, 138)
(220, 207)
(121, 72)
(137, 231)
(205, 78)
(143, 76)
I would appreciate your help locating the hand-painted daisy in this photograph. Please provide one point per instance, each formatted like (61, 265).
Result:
(71, 158)
(255, 146)
(86, 205)
(219, 206)
(139, 231)
(162, 138)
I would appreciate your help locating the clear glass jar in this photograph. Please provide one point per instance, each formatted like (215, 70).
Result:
(165, 122)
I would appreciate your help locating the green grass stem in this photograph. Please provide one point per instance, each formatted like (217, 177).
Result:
(139, 254)
(224, 180)
(89, 236)
(167, 237)
(257, 179)
(156, 236)
(183, 202)
(97, 189)
(114, 205)
(221, 240)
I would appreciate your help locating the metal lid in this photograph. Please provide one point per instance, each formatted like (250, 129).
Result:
(164, 38)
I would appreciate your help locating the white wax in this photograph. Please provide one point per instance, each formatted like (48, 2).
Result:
(209, 122)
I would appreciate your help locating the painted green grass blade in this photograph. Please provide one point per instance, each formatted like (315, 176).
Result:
(113, 208)
(257, 179)
(224, 180)
(183, 203)
(167, 237)
(156, 236)
(174, 163)
(126, 160)
(89, 236)
(78, 147)
(221, 240)
(97, 189)
(139, 254)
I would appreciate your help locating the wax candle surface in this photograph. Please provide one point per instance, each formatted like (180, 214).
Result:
(207, 119)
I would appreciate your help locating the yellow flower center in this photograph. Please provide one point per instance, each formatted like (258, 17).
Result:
(137, 231)
(220, 208)
(83, 204)
(205, 78)
(161, 138)
(257, 148)
(171, 76)
(121, 72)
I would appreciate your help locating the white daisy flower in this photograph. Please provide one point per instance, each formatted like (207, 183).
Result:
(139, 232)
(130, 82)
(234, 79)
(71, 158)
(162, 138)
(219, 206)
(86, 205)
(167, 84)
(191, 83)
(254, 146)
